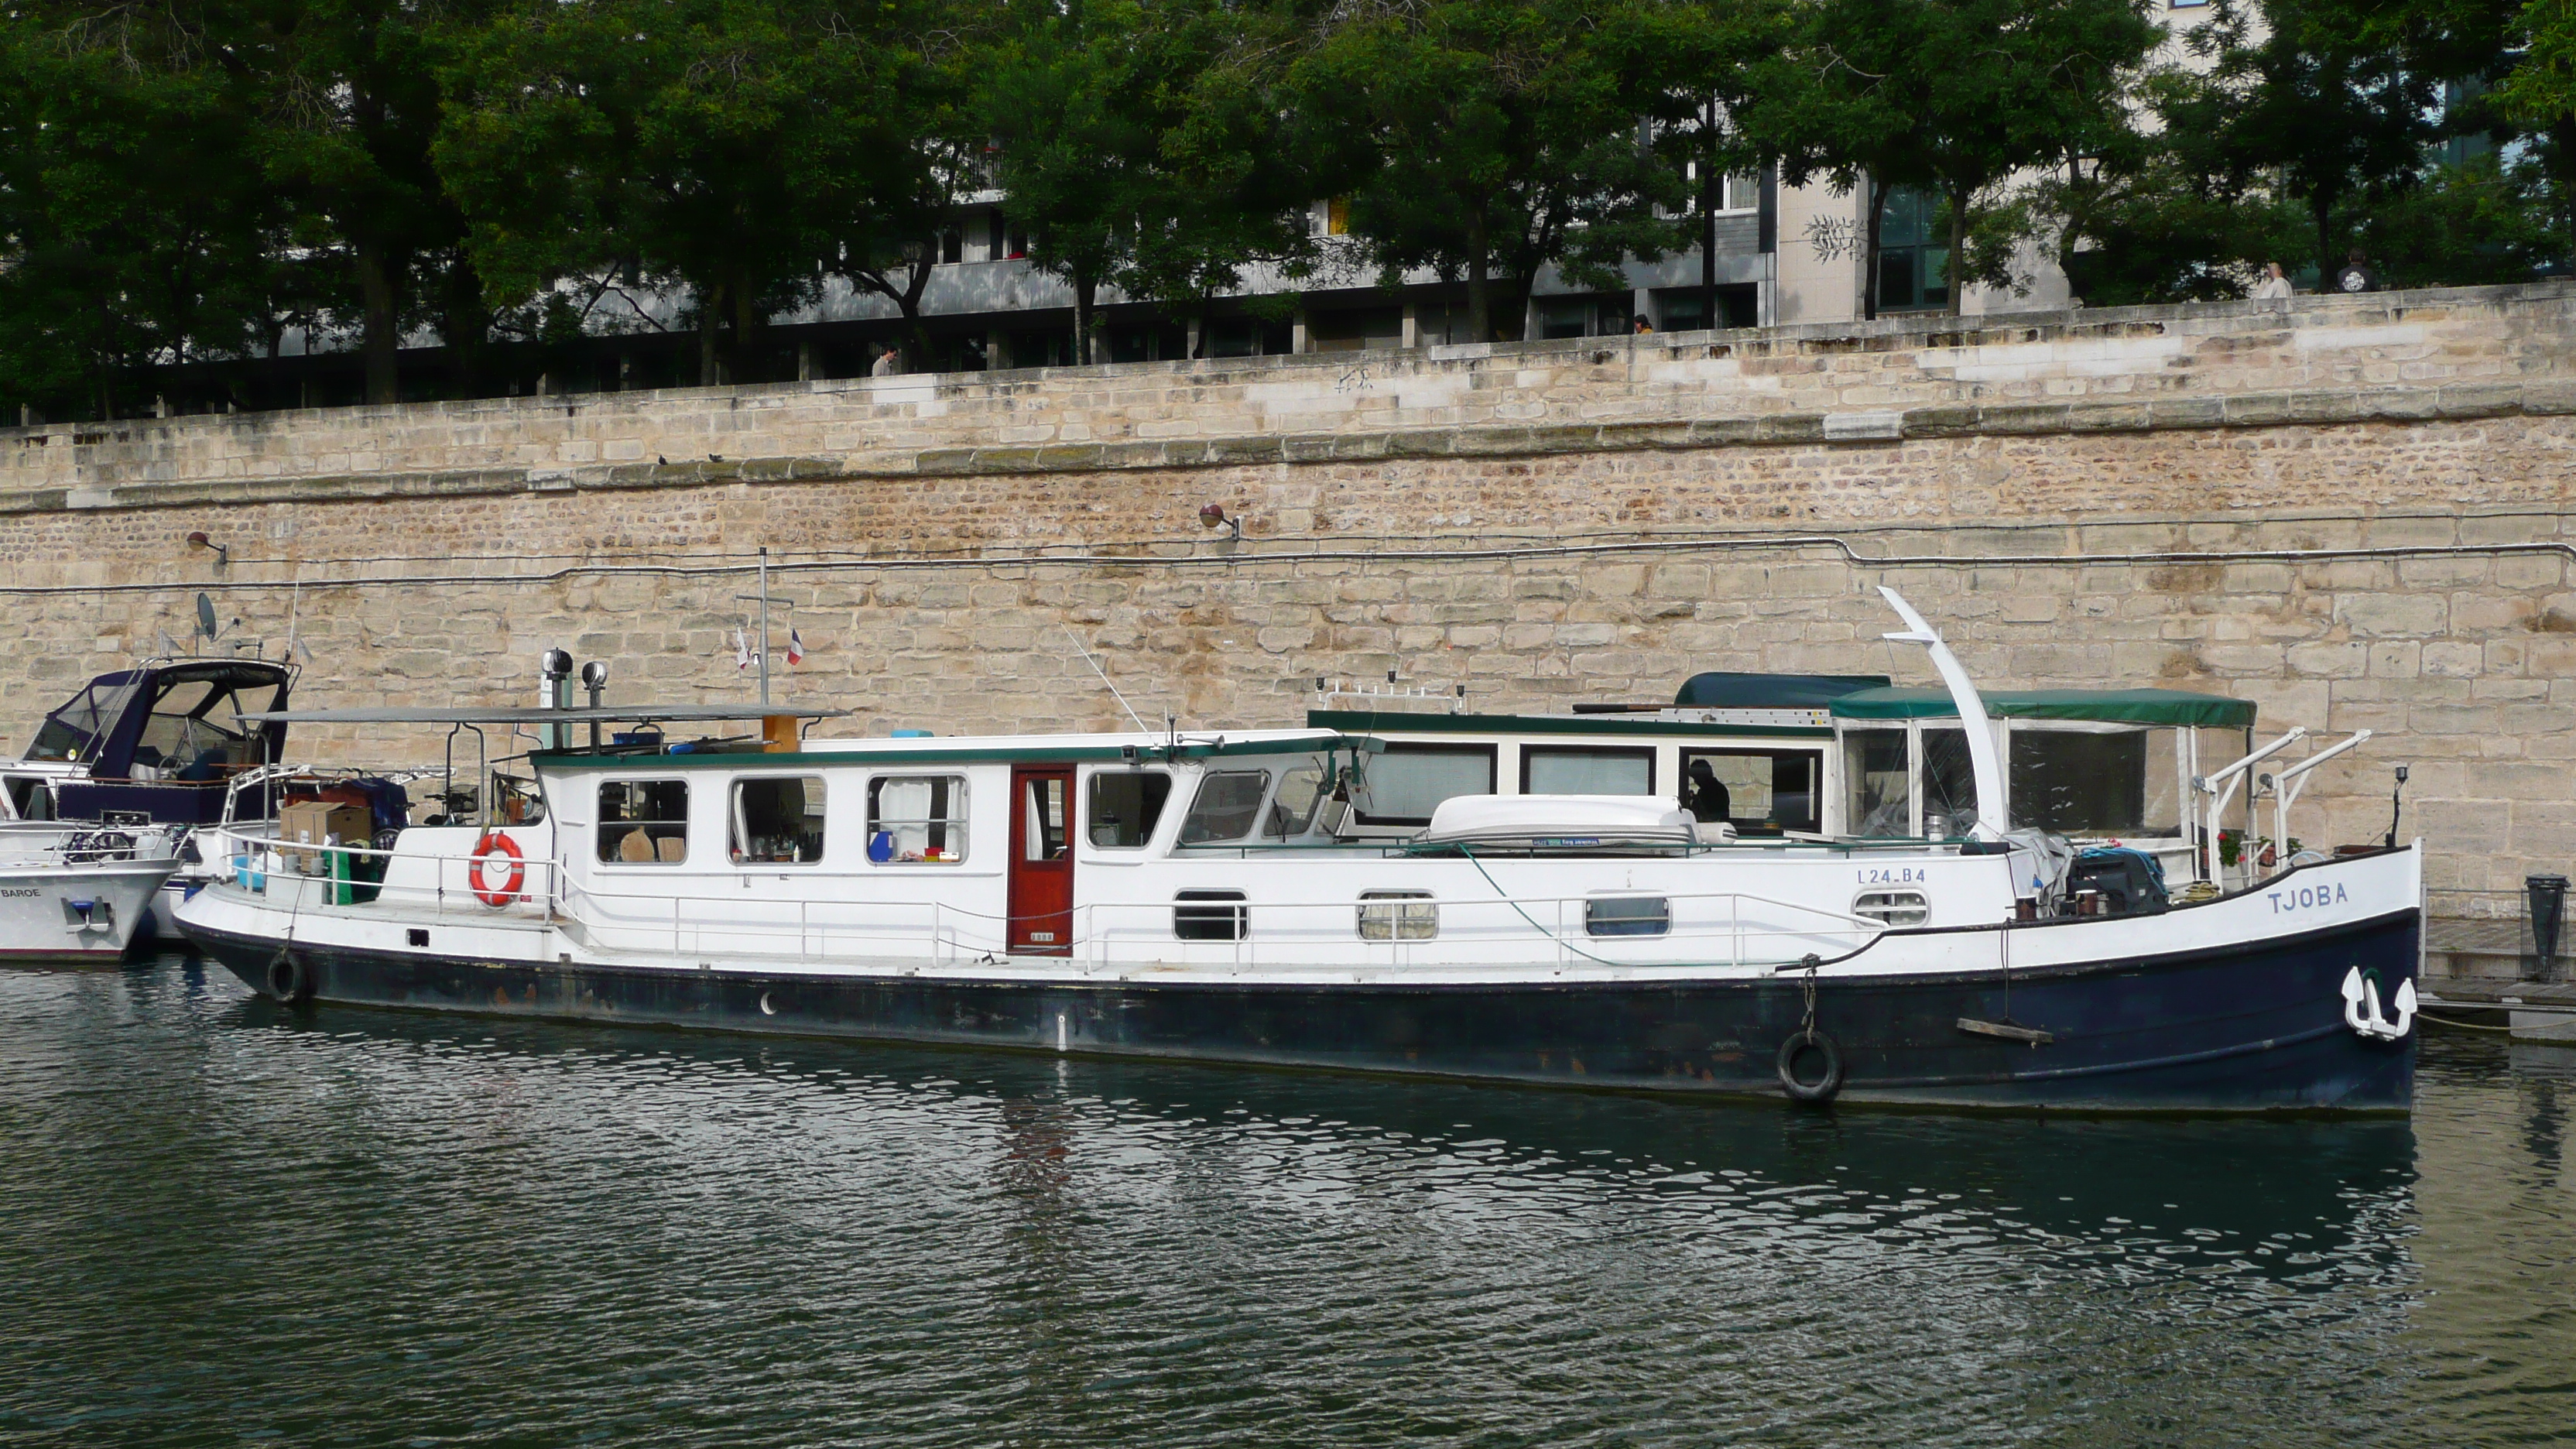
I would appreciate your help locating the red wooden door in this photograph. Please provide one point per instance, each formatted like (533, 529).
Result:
(1042, 860)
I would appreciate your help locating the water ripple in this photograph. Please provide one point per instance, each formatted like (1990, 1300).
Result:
(223, 1223)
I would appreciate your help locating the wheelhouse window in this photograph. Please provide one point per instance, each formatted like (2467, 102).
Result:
(777, 821)
(1227, 807)
(1949, 784)
(1126, 805)
(917, 819)
(1587, 770)
(1292, 810)
(1878, 798)
(1407, 782)
(2091, 781)
(1398, 916)
(186, 736)
(1760, 791)
(643, 822)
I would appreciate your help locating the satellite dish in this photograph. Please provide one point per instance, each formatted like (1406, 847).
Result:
(205, 617)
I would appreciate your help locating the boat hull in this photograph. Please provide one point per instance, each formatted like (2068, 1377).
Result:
(2253, 1027)
(83, 913)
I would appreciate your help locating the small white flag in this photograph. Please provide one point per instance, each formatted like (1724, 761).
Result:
(795, 646)
(741, 651)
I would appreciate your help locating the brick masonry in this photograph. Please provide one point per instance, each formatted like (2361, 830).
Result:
(2351, 510)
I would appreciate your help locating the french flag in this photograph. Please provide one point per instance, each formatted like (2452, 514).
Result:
(795, 646)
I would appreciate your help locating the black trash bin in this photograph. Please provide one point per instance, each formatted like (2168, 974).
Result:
(2544, 920)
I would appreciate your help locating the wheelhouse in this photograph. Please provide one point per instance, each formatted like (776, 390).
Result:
(163, 742)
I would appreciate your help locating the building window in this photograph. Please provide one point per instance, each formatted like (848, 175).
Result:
(1398, 916)
(917, 819)
(1406, 783)
(1227, 807)
(644, 822)
(1913, 252)
(777, 821)
(1337, 216)
(1126, 805)
(1587, 770)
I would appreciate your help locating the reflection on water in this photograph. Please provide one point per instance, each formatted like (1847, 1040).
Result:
(220, 1221)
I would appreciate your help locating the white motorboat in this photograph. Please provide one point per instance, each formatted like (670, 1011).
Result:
(78, 892)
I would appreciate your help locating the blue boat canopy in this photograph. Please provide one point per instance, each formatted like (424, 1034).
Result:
(2117, 706)
(1722, 689)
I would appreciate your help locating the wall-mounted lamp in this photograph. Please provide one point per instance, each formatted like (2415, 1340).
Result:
(223, 555)
(1213, 516)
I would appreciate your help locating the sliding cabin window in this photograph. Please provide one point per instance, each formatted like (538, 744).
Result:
(1231, 921)
(1762, 792)
(1227, 807)
(643, 822)
(1398, 916)
(1877, 783)
(1126, 805)
(2091, 779)
(1587, 770)
(777, 821)
(1403, 785)
(1627, 916)
(917, 819)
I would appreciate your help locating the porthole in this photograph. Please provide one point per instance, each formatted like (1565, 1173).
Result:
(1893, 908)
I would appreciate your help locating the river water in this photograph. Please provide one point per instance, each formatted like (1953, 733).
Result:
(225, 1223)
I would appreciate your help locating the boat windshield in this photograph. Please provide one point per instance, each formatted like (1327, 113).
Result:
(74, 731)
(1228, 803)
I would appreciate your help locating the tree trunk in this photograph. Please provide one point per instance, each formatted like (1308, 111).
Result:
(465, 323)
(1957, 264)
(1710, 194)
(1480, 293)
(1869, 250)
(710, 316)
(2322, 207)
(376, 288)
(1085, 290)
(747, 320)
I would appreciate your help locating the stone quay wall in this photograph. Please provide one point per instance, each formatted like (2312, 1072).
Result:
(2351, 510)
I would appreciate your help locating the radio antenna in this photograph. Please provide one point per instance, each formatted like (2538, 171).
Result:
(1104, 680)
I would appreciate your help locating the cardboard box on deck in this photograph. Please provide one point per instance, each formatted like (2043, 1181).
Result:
(321, 822)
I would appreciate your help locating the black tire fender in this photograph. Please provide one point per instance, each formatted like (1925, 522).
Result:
(1822, 1089)
(289, 980)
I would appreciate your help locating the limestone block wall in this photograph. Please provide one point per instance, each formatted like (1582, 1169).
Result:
(2350, 510)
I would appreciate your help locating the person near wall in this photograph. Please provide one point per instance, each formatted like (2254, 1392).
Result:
(2273, 286)
(884, 365)
(2355, 274)
(1643, 327)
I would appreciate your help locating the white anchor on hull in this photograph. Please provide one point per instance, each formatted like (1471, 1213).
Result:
(2361, 1007)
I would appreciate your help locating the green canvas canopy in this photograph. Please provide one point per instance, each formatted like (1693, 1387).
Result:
(2122, 706)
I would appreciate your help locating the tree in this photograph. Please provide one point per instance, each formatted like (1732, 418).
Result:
(1487, 139)
(729, 144)
(1949, 96)
(133, 226)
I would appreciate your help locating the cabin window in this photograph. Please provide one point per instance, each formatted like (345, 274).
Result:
(778, 821)
(1126, 805)
(1228, 803)
(73, 731)
(180, 739)
(1760, 791)
(1894, 908)
(1627, 916)
(1878, 801)
(1398, 916)
(1046, 823)
(2086, 782)
(644, 822)
(1230, 922)
(1587, 770)
(917, 819)
(1292, 810)
(1406, 783)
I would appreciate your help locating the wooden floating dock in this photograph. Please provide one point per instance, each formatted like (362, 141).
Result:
(2535, 1011)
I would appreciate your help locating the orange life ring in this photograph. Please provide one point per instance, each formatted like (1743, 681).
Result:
(489, 848)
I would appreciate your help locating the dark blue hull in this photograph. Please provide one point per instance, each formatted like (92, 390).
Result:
(2256, 1028)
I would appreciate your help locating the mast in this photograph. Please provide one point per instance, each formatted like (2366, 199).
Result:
(1982, 762)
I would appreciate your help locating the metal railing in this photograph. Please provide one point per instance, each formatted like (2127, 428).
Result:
(1701, 929)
